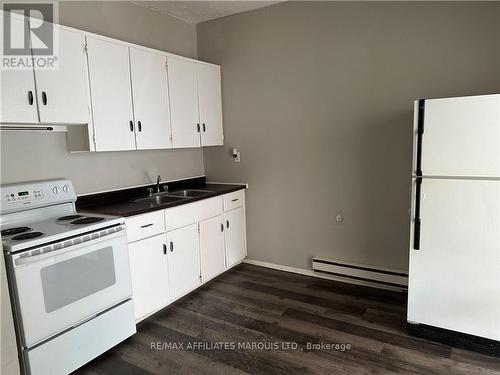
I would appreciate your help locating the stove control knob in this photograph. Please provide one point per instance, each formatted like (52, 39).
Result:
(65, 188)
(55, 189)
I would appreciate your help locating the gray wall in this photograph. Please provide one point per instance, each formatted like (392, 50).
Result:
(27, 156)
(318, 96)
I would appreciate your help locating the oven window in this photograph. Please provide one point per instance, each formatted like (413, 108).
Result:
(76, 278)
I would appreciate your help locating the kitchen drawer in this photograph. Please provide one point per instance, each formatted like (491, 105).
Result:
(180, 216)
(146, 225)
(73, 348)
(234, 200)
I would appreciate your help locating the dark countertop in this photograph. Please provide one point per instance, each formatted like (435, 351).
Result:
(120, 202)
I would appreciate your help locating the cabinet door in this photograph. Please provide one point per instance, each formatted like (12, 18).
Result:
(63, 91)
(235, 236)
(211, 247)
(183, 260)
(183, 103)
(210, 102)
(18, 102)
(149, 272)
(109, 76)
(150, 94)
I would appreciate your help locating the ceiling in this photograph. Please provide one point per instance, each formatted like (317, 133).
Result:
(199, 11)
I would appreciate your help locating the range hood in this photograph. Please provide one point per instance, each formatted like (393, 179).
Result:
(36, 127)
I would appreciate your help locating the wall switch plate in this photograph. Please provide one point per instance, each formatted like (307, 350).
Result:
(236, 155)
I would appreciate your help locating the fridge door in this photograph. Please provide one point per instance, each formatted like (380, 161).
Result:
(454, 279)
(461, 136)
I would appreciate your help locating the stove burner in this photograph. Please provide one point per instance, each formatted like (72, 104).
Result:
(27, 236)
(15, 230)
(87, 220)
(69, 217)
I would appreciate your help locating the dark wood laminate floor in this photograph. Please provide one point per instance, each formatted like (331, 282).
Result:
(251, 304)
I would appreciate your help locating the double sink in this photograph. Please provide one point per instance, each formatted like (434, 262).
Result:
(171, 197)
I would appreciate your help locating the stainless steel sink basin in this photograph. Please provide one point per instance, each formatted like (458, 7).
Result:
(189, 193)
(159, 199)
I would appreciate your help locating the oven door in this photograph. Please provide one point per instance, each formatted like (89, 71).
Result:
(62, 288)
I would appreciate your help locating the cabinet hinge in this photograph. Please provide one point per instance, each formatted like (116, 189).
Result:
(85, 48)
(93, 138)
(198, 228)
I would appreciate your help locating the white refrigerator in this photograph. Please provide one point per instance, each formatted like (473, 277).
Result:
(454, 269)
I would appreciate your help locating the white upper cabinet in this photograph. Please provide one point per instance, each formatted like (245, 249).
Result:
(150, 96)
(63, 91)
(109, 74)
(182, 82)
(210, 104)
(126, 97)
(18, 102)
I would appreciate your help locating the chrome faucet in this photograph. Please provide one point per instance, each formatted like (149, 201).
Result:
(158, 183)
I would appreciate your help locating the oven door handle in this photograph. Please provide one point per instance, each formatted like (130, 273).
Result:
(70, 250)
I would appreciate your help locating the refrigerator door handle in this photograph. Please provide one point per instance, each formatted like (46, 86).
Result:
(420, 133)
(416, 231)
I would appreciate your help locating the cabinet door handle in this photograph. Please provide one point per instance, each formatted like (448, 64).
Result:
(198, 128)
(236, 199)
(30, 97)
(227, 224)
(204, 127)
(164, 249)
(221, 227)
(171, 246)
(146, 225)
(44, 98)
(131, 123)
(139, 125)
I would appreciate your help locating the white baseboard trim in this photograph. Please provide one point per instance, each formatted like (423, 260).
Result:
(305, 272)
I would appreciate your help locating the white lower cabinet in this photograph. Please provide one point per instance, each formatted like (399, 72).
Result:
(235, 238)
(174, 251)
(183, 260)
(212, 247)
(149, 271)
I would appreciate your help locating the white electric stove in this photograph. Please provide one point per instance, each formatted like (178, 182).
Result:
(69, 277)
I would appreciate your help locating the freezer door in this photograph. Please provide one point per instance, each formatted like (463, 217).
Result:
(461, 137)
(454, 279)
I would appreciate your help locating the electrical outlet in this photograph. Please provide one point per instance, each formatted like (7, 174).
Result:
(236, 155)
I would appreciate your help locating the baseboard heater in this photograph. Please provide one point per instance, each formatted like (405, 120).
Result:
(361, 272)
